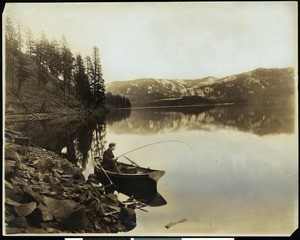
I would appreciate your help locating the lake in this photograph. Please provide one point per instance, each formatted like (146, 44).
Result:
(234, 171)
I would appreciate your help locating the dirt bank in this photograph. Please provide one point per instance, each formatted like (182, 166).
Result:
(58, 113)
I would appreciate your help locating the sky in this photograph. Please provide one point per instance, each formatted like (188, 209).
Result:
(179, 40)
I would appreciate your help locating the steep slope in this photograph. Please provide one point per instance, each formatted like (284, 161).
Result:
(32, 98)
(260, 85)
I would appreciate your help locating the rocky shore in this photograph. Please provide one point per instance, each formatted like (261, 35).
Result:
(45, 193)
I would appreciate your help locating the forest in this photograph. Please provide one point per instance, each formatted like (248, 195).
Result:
(42, 59)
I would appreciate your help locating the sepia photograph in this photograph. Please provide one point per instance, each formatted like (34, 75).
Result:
(150, 119)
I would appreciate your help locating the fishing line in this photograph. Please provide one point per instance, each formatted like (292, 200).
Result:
(168, 141)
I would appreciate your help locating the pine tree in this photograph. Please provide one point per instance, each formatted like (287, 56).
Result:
(29, 42)
(11, 50)
(41, 58)
(67, 60)
(95, 77)
(81, 80)
(117, 101)
(54, 57)
(22, 70)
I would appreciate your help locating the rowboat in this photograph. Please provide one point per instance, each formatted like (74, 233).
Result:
(139, 182)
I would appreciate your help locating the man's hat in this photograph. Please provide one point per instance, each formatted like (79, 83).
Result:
(111, 144)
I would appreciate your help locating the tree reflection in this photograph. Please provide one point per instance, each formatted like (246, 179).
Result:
(258, 119)
(118, 115)
(80, 137)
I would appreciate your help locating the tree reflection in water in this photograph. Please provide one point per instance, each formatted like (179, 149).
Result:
(258, 119)
(80, 137)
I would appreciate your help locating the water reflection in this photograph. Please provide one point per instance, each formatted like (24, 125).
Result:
(257, 119)
(118, 115)
(85, 138)
(80, 137)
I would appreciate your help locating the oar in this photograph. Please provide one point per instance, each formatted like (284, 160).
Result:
(99, 164)
(131, 161)
(116, 166)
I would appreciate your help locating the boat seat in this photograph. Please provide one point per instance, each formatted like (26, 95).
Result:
(128, 169)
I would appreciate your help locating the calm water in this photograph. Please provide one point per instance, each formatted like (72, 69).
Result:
(240, 178)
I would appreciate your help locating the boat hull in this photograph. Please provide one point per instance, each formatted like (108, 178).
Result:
(142, 186)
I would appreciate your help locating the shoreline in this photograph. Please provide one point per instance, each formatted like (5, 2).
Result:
(195, 105)
(58, 113)
(45, 193)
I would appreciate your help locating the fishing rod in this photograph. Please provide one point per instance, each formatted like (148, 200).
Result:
(150, 144)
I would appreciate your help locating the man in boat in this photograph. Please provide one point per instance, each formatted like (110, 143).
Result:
(109, 160)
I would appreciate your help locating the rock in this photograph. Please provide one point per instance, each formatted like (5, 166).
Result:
(77, 220)
(88, 200)
(22, 150)
(10, 218)
(41, 176)
(21, 173)
(39, 215)
(93, 181)
(35, 230)
(11, 154)
(68, 170)
(20, 222)
(43, 164)
(15, 194)
(32, 171)
(127, 213)
(35, 218)
(48, 178)
(52, 225)
(17, 181)
(132, 206)
(8, 185)
(56, 187)
(32, 195)
(35, 186)
(10, 230)
(115, 208)
(61, 209)
(112, 197)
(25, 209)
(128, 218)
(106, 219)
(31, 158)
(46, 213)
(96, 207)
(79, 176)
(120, 227)
(58, 170)
(10, 169)
(51, 230)
(97, 225)
(12, 202)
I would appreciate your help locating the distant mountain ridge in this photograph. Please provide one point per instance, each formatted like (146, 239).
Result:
(259, 85)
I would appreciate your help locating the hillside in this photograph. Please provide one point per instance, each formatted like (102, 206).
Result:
(50, 97)
(259, 85)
